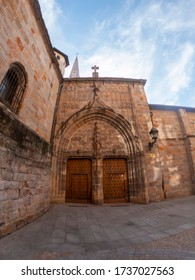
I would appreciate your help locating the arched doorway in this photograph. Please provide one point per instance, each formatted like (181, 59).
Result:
(98, 133)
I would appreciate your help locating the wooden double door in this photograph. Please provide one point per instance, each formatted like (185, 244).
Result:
(79, 180)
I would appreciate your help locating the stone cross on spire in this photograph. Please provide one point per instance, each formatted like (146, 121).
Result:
(95, 74)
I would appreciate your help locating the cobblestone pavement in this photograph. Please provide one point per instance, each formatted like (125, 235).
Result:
(160, 230)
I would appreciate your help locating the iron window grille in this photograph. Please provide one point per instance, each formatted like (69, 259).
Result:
(13, 86)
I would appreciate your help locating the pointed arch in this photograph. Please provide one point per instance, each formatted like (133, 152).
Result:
(125, 128)
(99, 112)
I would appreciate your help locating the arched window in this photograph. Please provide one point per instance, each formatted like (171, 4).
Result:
(13, 86)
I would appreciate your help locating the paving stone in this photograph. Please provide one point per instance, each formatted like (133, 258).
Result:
(59, 233)
(96, 246)
(87, 235)
(105, 237)
(70, 237)
(112, 234)
(57, 240)
(100, 236)
(158, 235)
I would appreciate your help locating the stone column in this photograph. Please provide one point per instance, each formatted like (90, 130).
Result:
(97, 178)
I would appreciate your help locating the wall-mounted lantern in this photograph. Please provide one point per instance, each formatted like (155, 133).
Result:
(153, 133)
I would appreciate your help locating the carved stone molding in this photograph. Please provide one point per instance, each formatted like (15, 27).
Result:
(96, 141)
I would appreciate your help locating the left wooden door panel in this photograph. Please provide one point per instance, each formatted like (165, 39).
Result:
(78, 180)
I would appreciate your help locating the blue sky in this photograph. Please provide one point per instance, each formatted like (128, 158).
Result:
(144, 39)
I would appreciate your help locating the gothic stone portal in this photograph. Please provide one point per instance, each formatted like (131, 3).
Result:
(98, 158)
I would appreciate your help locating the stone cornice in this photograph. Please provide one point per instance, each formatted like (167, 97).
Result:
(107, 79)
(170, 107)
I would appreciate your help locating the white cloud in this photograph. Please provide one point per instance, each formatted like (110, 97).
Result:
(114, 63)
(51, 12)
(179, 72)
(56, 19)
(176, 77)
(119, 49)
(153, 40)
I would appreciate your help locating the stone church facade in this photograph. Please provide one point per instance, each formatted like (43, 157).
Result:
(100, 148)
(79, 139)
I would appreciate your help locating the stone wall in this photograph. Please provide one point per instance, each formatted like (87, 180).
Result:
(24, 39)
(174, 150)
(189, 124)
(25, 166)
(24, 173)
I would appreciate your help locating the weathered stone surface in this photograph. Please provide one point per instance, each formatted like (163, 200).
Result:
(3, 195)
(25, 174)
(174, 156)
(23, 39)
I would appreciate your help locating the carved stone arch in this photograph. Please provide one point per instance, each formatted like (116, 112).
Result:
(108, 115)
(124, 127)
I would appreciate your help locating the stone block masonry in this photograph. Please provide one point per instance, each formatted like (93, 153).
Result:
(24, 39)
(173, 150)
(24, 173)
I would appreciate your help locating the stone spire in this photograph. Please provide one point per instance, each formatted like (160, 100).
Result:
(75, 69)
